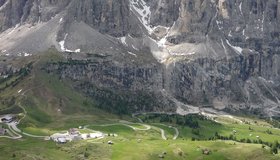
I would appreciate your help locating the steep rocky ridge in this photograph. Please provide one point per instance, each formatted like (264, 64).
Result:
(206, 53)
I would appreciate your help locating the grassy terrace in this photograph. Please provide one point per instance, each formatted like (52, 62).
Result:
(114, 129)
(132, 149)
(188, 150)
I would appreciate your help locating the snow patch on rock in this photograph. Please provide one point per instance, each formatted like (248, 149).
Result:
(64, 49)
(240, 7)
(143, 12)
(61, 20)
(123, 40)
(133, 54)
(235, 48)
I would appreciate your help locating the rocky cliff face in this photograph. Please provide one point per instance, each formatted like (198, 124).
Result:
(185, 54)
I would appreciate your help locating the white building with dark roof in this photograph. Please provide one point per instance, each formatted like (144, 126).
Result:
(7, 119)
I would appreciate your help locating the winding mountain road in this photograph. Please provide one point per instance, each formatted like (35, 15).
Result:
(147, 127)
(163, 134)
(162, 131)
(11, 128)
(176, 133)
(175, 136)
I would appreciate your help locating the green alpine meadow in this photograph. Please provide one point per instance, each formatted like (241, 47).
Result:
(139, 80)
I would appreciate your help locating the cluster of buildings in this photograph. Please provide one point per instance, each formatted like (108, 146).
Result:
(74, 134)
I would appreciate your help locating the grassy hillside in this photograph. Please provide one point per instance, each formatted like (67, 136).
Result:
(143, 146)
(46, 98)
